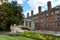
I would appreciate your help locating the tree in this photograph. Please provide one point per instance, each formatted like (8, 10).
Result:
(10, 13)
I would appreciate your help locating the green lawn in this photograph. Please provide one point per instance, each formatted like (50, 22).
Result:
(6, 37)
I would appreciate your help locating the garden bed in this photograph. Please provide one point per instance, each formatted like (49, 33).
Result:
(40, 36)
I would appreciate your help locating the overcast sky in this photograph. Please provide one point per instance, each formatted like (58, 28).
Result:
(29, 5)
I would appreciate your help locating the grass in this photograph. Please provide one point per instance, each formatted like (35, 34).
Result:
(57, 37)
(6, 37)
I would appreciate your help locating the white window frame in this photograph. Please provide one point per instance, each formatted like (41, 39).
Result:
(52, 13)
(56, 12)
(47, 14)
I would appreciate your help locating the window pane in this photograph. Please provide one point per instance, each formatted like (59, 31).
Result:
(30, 24)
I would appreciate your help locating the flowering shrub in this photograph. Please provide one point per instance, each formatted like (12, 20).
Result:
(38, 36)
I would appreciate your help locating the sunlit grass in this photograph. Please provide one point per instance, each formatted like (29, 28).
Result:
(6, 37)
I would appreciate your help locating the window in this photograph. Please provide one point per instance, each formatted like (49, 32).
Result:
(52, 13)
(53, 18)
(58, 17)
(58, 24)
(52, 24)
(26, 23)
(47, 14)
(30, 24)
(56, 12)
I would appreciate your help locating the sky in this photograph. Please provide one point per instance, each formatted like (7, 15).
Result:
(29, 5)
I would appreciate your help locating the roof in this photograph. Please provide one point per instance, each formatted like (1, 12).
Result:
(33, 16)
(53, 9)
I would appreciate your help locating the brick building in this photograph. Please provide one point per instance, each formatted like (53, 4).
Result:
(48, 19)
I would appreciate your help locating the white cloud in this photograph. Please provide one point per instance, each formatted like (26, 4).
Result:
(35, 3)
(20, 1)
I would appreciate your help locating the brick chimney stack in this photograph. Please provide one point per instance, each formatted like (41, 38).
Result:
(32, 13)
(49, 14)
(39, 12)
(27, 15)
(49, 5)
(39, 9)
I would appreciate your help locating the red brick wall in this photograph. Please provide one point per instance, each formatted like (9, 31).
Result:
(38, 19)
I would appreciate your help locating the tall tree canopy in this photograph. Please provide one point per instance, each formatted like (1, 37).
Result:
(10, 13)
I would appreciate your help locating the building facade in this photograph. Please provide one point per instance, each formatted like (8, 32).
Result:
(28, 24)
(48, 19)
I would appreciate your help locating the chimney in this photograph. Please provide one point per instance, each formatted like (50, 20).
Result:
(49, 13)
(39, 9)
(49, 5)
(32, 13)
(27, 15)
(39, 12)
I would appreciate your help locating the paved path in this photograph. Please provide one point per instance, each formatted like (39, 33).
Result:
(49, 32)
